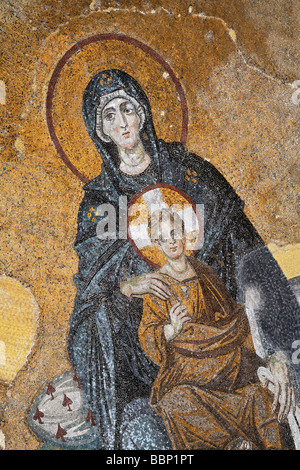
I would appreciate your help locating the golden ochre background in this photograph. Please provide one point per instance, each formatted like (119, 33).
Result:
(237, 62)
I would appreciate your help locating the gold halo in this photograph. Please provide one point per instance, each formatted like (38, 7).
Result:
(67, 116)
(156, 197)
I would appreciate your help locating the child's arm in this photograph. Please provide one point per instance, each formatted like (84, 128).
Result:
(151, 330)
(158, 327)
(179, 315)
(151, 283)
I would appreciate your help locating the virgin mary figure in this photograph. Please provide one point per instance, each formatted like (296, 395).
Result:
(104, 349)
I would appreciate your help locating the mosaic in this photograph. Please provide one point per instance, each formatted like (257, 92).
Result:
(150, 275)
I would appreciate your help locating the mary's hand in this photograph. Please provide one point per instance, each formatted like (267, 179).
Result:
(151, 283)
(284, 393)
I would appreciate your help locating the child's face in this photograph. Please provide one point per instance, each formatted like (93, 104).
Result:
(173, 244)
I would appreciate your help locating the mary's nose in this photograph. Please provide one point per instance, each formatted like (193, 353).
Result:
(121, 119)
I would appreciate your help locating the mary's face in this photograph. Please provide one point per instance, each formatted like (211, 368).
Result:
(121, 122)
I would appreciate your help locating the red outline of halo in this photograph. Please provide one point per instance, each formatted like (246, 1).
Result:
(77, 47)
(138, 195)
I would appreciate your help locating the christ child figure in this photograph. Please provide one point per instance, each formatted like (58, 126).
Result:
(206, 390)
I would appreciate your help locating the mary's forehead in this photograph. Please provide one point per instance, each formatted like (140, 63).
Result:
(117, 103)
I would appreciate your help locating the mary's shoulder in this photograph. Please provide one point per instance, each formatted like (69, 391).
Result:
(196, 165)
(177, 152)
(100, 190)
(96, 183)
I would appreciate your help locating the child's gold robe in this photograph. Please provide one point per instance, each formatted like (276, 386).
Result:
(206, 390)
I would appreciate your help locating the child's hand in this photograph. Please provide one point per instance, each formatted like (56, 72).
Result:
(179, 315)
(151, 283)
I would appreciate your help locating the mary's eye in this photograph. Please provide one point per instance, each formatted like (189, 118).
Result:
(127, 108)
(109, 116)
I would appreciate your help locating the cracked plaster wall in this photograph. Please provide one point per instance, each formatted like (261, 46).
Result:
(237, 62)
